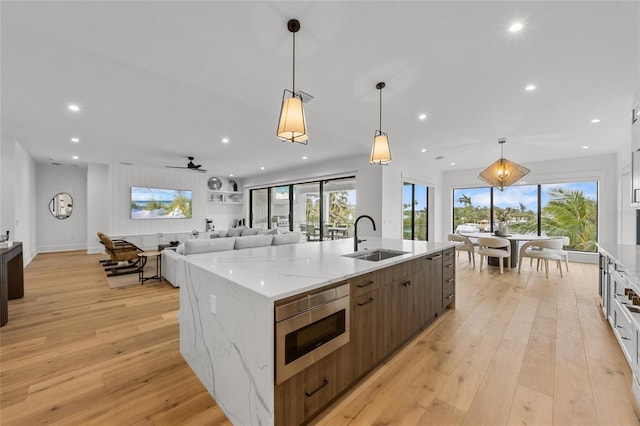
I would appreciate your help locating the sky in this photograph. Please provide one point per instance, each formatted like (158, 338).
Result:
(525, 194)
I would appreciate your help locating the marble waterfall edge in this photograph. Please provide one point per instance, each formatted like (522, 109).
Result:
(231, 351)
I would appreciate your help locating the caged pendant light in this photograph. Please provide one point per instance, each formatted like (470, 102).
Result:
(292, 126)
(380, 151)
(503, 172)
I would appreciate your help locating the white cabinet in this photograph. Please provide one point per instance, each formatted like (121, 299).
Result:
(224, 197)
(635, 152)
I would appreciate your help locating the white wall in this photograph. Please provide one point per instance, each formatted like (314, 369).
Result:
(61, 234)
(17, 197)
(123, 177)
(368, 185)
(602, 168)
(394, 176)
(98, 202)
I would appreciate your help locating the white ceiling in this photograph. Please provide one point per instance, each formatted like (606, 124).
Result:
(160, 80)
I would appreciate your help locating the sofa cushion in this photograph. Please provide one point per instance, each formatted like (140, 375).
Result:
(235, 232)
(249, 231)
(218, 234)
(180, 248)
(253, 241)
(288, 238)
(207, 246)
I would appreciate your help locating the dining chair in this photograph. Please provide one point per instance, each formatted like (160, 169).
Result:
(463, 243)
(544, 250)
(494, 247)
(563, 253)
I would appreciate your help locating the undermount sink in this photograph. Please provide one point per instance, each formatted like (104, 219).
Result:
(376, 255)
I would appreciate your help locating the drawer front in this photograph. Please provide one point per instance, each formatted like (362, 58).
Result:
(448, 256)
(448, 292)
(448, 271)
(364, 283)
(626, 333)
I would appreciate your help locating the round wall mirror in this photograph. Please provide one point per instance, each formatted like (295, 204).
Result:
(61, 205)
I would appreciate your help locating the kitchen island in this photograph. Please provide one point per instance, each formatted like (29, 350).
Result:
(227, 303)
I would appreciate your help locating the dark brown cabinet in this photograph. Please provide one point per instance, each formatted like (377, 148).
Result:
(387, 308)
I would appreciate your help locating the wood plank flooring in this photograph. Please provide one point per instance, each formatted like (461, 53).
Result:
(518, 349)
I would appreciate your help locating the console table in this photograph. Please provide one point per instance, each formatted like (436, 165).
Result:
(11, 278)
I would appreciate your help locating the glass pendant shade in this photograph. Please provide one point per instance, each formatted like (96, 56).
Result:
(292, 126)
(380, 151)
(503, 173)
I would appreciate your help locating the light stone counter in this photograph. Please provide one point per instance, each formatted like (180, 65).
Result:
(625, 254)
(232, 350)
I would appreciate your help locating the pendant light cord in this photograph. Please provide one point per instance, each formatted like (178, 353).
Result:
(380, 129)
(293, 88)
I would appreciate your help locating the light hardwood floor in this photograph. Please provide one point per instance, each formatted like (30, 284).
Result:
(518, 349)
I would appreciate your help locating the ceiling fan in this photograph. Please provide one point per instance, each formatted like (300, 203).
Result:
(190, 166)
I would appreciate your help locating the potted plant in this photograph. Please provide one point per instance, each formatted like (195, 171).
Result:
(503, 217)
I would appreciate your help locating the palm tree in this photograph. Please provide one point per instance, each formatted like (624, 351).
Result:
(571, 214)
(465, 200)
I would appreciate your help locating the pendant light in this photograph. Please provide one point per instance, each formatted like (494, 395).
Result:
(503, 172)
(380, 152)
(292, 126)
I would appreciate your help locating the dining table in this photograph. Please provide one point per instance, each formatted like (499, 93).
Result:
(514, 239)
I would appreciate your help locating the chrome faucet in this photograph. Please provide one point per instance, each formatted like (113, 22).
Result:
(355, 230)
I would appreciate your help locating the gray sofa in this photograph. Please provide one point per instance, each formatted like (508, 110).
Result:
(173, 262)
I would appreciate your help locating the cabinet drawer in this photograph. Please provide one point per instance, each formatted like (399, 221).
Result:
(448, 256)
(626, 333)
(448, 292)
(363, 284)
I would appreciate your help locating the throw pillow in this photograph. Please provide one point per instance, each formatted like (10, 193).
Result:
(288, 238)
(234, 232)
(253, 241)
(180, 248)
(249, 231)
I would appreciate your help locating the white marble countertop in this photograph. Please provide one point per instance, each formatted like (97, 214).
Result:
(626, 254)
(277, 272)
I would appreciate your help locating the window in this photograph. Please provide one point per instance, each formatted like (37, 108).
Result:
(320, 210)
(571, 209)
(340, 207)
(414, 212)
(472, 210)
(562, 209)
(518, 207)
(259, 208)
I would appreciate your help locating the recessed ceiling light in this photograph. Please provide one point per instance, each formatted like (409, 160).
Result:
(261, 167)
(230, 174)
(530, 87)
(515, 27)
(225, 140)
(453, 164)
(423, 150)
(75, 157)
(422, 117)
(75, 140)
(585, 146)
(74, 107)
(595, 120)
(304, 158)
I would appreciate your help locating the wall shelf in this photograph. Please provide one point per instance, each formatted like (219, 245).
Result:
(224, 197)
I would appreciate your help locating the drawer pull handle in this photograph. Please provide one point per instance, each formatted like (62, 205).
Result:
(619, 326)
(449, 280)
(450, 296)
(367, 302)
(368, 283)
(325, 382)
(624, 338)
(406, 283)
(449, 266)
(435, 257)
